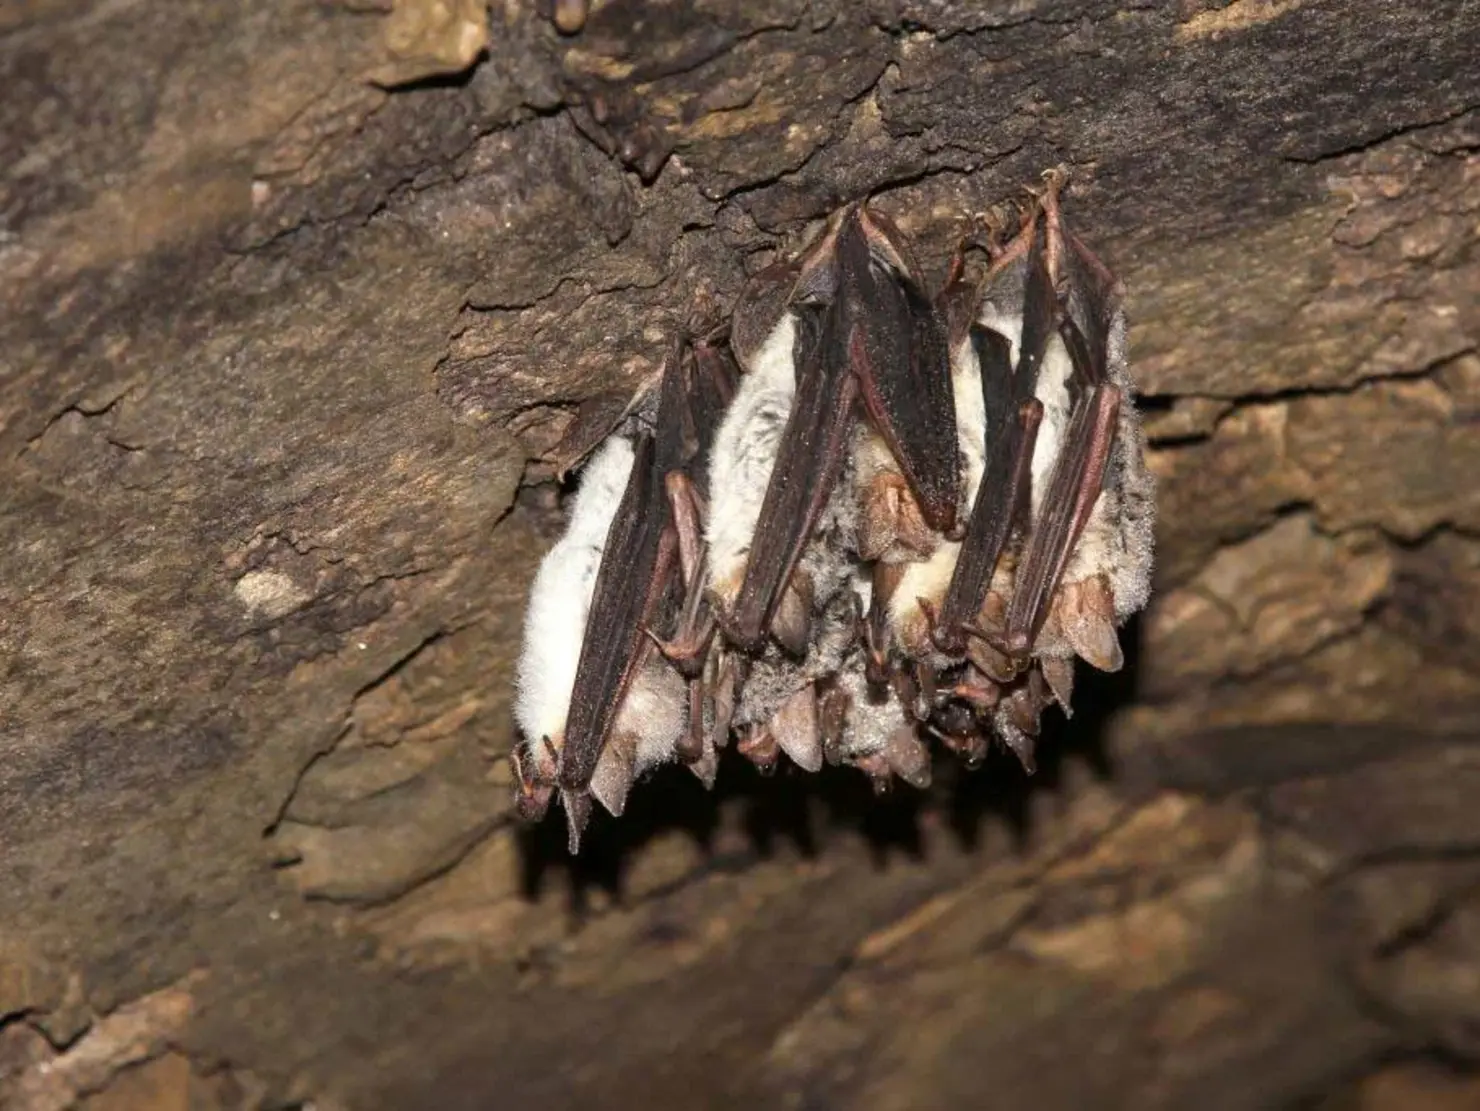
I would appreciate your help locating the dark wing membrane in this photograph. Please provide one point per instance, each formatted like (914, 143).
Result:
(901, 358)
(1090, 301)
(1040, 307)
(1012, 433)
(1078, 475)
(993, 354)
(809, 460)
(676, 433)
(635, 574)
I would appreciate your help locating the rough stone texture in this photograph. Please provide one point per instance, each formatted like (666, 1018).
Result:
(295, 295)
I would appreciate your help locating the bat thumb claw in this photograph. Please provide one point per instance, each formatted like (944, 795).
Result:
(577, 806)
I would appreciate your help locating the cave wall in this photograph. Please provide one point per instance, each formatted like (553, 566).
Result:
(296, 297)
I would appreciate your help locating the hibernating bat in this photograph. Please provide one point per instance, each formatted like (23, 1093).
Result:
(856, 336)
(1069, 468)
(908, 517)
(596, 705)
(1058, 546)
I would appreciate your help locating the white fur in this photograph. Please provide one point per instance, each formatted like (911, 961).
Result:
(775, 676)
(744, 455)
(559, 600)
(655, 712)
(971, 417)
(870, 725)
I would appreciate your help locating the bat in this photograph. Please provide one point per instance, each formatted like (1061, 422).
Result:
(1057, 547)
(629, 560)
(866, 717)
(556, 619)
(873, 731)
(1070, 460)
(857, 336)
(778, 706)
(907, 517)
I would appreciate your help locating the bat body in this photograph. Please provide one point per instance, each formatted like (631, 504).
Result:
(555, 622)
(652, 720)
(927, 580)
(599, 601)
(864, 340)
(560, 598)
(777, 709)
(1086, 565)
(745, 451)
(908, 518)
(874, 731)
(1057, 550)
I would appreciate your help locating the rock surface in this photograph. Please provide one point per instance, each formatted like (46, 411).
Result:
(296, 295)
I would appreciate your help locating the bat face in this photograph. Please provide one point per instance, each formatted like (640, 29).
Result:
(907, 519)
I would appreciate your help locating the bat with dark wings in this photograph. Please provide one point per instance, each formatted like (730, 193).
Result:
(905, 519)
(596, 705)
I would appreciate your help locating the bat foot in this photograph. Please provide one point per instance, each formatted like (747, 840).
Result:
(1046, 196)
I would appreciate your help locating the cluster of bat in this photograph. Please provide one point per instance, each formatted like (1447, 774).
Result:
(903, 520)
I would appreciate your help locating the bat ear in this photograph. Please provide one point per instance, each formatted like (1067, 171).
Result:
(759, 309)
(887, 244)
(819, 275)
